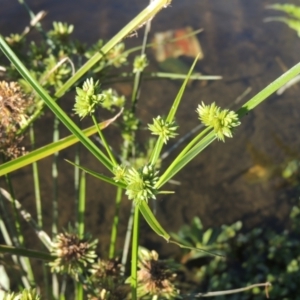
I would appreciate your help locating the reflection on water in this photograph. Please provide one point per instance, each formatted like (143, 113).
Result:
(238, 46)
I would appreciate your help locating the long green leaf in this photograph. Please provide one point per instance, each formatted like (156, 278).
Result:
(208, 139)
(270, 89)
(152, 221)
(149, 12)
(61, 115)
(99, 176)
(157, 228)
(170, 172)
(43, 151)
(159, 144)
(26, 252)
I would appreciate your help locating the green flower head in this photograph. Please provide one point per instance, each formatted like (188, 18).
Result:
(140, 183)
(87, 98)
(222, 121)
(112, 99)
(140, 63)
(119, 172)
(163, 129)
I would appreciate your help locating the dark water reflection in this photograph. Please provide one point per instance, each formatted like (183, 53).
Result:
(238, 46)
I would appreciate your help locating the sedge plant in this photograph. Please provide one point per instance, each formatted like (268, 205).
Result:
(72, 252)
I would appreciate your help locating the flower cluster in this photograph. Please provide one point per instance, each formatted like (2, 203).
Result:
(163, 129)
(130, 124)
(117, 56)
(140, 63)
(119, 172)
(14, 110)
(73, 254)
(87, 98)
(61, 31)
(24, 295)
(107, 282)
(140, 183)
(111, 99)
(155, 276)
(222, 121)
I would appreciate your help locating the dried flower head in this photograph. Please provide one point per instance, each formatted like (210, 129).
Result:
(14, 107)
(107, 282)
(222, 121)
(141, 183)
(106, 268)
(155, 276)
(74, 255)
(163, 129)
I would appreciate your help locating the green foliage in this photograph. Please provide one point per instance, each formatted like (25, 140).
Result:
(48, 68)
(252, 257)
(293, 11)
(24, 295)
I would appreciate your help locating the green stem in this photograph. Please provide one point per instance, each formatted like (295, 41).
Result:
(81, 205)
(38, 204)
(26, 252)
(134, 253)
(55, 179)
(109, 152)
(36, 182)
(19, 239)
(114, 230)
(79, 291)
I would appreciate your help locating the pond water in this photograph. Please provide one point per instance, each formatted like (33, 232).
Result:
(236, 180)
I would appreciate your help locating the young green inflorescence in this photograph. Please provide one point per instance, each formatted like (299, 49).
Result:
(222, 121)
(140, 183)
(163, 129)
(88, 98)
(140, 63)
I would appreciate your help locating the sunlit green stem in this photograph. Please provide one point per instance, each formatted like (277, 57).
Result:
(134, 253)
(38, 204)
(79, 291)
(36, 182)
(114, 231)
(109, 152)
(81, 206)
(55, 179)
(7, 238)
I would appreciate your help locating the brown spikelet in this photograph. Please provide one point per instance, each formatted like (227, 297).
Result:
(14, 105)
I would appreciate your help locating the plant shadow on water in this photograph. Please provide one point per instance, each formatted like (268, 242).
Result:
(217, 186)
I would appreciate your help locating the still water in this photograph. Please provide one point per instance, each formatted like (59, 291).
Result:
(236, 180)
